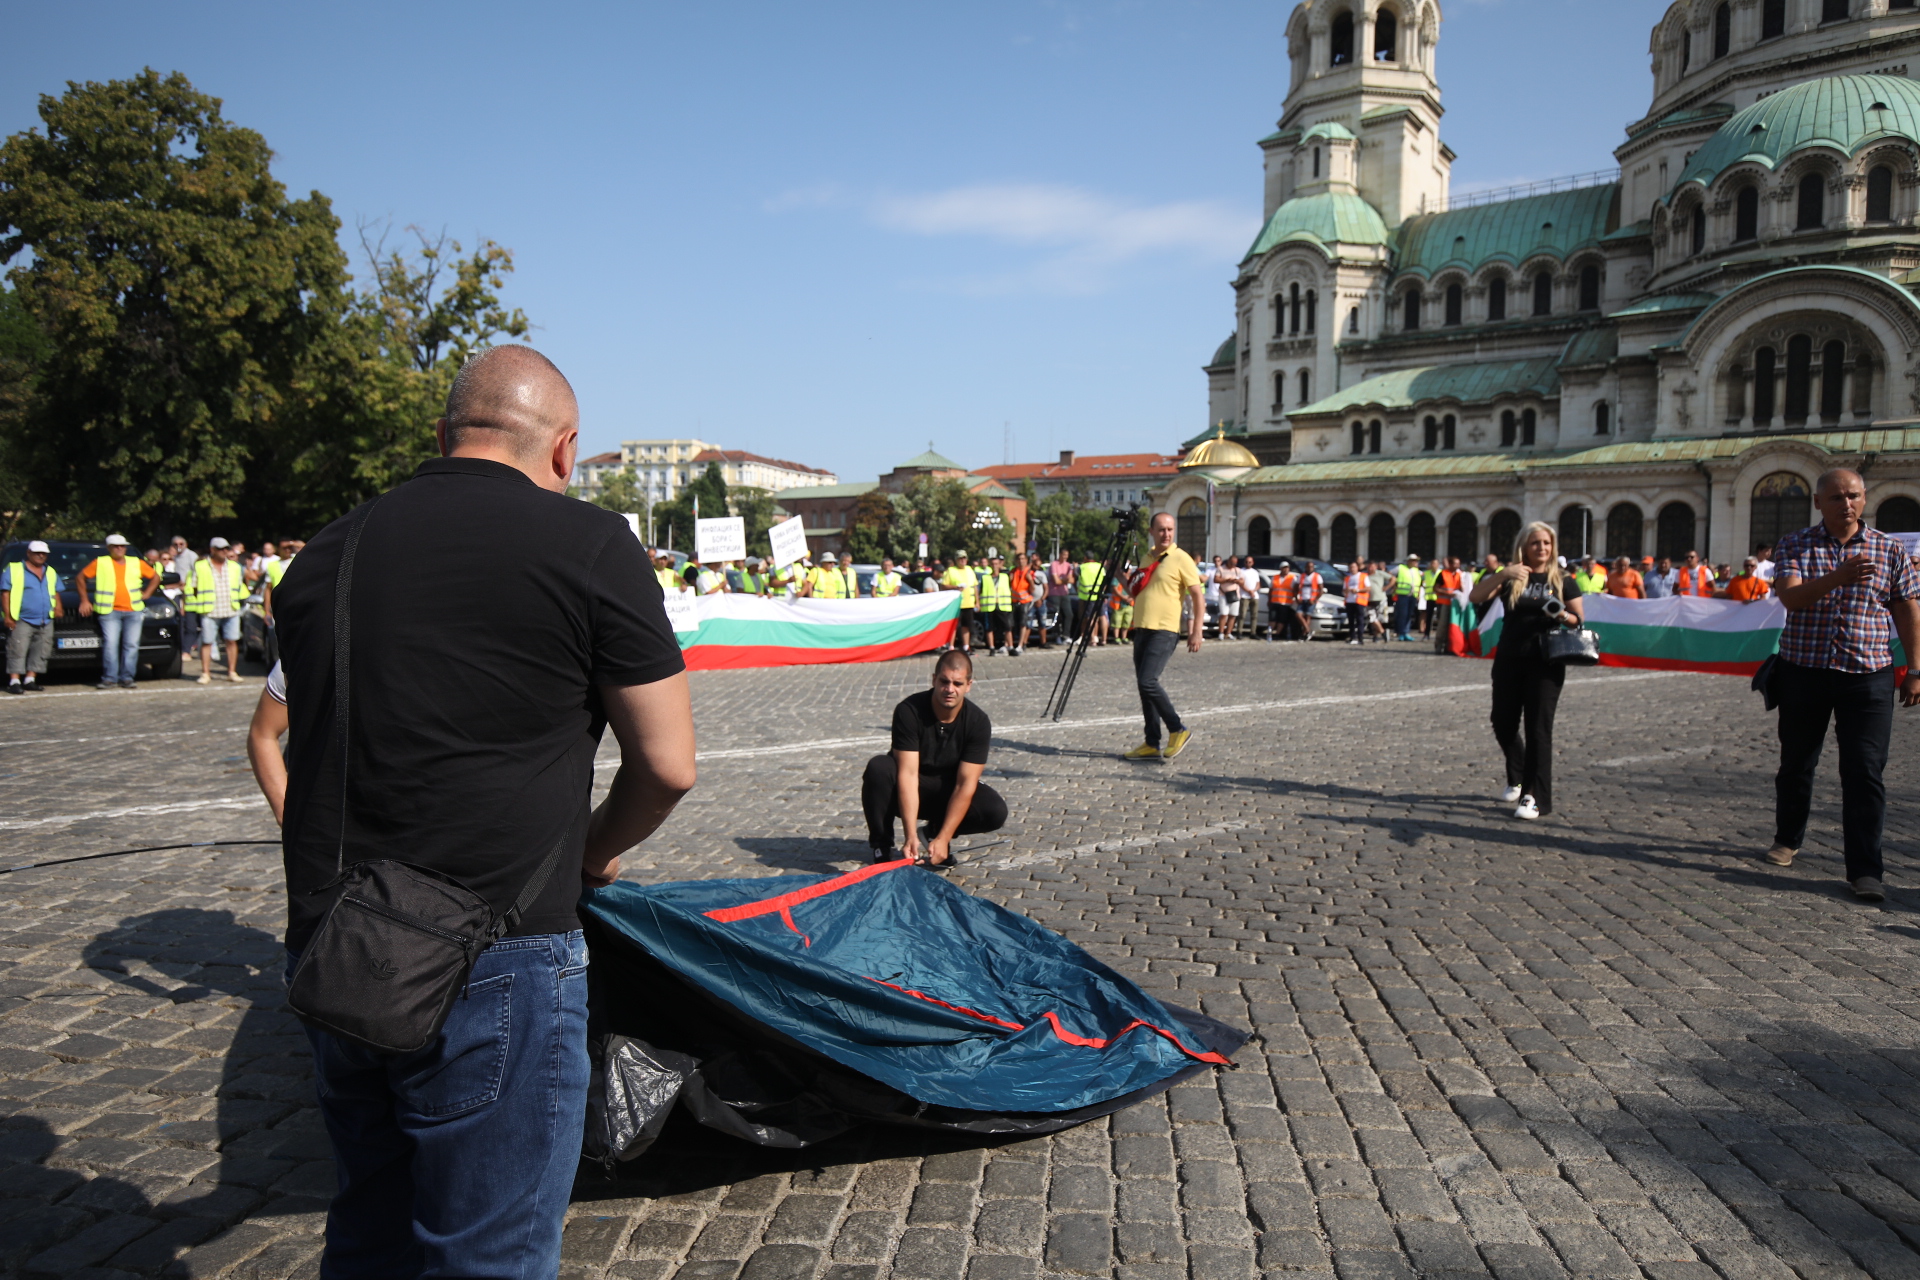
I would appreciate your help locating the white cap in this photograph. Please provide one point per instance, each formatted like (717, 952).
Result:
(37, 545)
(115, 540)
(217, 542)
(827, 557)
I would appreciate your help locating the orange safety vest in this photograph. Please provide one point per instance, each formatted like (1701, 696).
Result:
(1310, 588)
(1449, 581)
(1281, 589)
(1694, 582)
(1356, 588)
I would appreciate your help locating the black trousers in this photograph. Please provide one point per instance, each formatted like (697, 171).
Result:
(1151, 651)
(1526, 691)
(1860, 705)
(1285, 620)
(963, 631)
(880, 797)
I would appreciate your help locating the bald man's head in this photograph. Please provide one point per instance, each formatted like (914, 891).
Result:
(511, 399)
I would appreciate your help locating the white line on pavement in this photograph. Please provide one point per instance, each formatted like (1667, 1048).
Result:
(180, 685)
(135, 811)
(122, 737)
(1115, 846)
(1675, 754)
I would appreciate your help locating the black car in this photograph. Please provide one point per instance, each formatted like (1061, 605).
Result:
(76, 640)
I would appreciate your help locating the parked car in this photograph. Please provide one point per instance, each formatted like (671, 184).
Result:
(76, 640)
(1329, 617)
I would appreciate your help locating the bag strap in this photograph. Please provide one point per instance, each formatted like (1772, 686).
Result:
(342, 653)
(530, 894)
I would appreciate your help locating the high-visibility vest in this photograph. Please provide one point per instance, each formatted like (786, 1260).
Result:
(1591, 583)
(668, 579)
(1429, 578)
(996, 593)
(1406, 582)
(1450, 582)
(276, 571)
(1089, 580)
(1697, 581)
(828, 584)
(200, 588)
(885, 584)
(1281, 589)
(852, 580)
(1356, 588)
(103, 583)
(1310, 588)
(755, 583)
(17, 587)
(968, 580)
(708, 580)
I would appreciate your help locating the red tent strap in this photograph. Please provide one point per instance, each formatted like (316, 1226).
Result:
(787, 901)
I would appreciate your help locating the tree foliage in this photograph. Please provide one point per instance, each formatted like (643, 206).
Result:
(675, 518)
(181, 293)
(621, 492)
(1058, 520)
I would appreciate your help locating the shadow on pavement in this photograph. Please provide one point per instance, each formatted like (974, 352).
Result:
(803, 853)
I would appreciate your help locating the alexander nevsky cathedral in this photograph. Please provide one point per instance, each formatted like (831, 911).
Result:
(1654, 359)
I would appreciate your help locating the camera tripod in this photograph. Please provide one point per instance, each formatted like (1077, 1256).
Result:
(1112, 565)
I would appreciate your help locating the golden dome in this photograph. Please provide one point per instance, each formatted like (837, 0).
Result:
(1219, 452)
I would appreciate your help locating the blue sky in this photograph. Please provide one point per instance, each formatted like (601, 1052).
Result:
(835, 232)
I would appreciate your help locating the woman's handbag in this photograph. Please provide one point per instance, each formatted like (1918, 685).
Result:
(1574, 645)
(395, 947)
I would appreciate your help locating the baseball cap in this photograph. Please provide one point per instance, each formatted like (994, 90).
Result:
(217, 542)
(115, 540)
(37, 545)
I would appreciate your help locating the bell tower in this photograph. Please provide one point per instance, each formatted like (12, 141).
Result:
(1368, 67)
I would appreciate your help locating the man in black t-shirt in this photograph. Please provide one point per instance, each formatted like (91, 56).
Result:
(479, 686)
(939, 751)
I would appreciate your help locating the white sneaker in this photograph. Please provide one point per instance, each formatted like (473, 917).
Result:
(1528, 809)
(1510, 795)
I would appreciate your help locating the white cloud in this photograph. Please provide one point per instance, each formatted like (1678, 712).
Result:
(1084, 235)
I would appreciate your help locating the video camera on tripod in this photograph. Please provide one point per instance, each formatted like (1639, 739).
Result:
(1126, 521)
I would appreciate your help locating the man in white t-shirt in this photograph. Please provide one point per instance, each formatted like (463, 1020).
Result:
(1249, 596)
(1764, 554)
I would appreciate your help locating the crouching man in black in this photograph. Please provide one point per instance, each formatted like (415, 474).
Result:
(939, 751)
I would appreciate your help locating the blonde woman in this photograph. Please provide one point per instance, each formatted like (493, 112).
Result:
(1526, 688)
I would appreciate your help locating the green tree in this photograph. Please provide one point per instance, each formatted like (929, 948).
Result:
(384, 376)
(952, 517)
(621, 492)
(875, 528)
(182, 294)
(756, 507)
(22, 348)
(676, 517)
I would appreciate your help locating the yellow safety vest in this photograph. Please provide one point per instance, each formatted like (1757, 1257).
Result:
(200, 587)
(886, 584)
(668, 579)
(103, 584)
(996, 593)
(1406, 582)
(1089, 574)
(828, 584)
(1591, 584)
(17, 587)
(275, 571)
(968, 580)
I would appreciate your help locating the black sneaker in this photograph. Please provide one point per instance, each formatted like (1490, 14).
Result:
(14, 686)
(1869, 889)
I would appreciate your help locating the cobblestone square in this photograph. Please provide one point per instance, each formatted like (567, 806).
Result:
(1610, 1044)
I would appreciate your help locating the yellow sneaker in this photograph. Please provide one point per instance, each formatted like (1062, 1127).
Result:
(1145, 751)
(1176, 743)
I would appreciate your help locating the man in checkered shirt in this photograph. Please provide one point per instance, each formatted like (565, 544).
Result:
(1847, 588)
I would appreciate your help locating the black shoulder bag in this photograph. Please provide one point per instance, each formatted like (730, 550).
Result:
(394, 949)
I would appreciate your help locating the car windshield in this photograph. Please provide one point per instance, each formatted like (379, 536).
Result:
(65, 558)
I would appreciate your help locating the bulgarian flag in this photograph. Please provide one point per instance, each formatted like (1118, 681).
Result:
(721, 631)
(1679, 633)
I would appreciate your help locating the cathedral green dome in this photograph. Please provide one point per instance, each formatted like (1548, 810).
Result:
(1322, 220)
(1840, 112)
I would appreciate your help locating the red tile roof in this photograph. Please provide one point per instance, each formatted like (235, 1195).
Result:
(1106, 466)
(741, 455)
(599, 460)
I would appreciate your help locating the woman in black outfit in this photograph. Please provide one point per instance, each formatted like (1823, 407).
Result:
(1526, 688)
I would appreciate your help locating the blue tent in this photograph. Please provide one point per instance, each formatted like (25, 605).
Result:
(785, 1010)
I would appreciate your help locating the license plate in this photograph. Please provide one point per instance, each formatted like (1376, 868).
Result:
(77, 642)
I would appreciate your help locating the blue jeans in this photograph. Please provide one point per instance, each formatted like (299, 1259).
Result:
(458, 1160)
(1151, 649)
(120, 645)
(1403, 616)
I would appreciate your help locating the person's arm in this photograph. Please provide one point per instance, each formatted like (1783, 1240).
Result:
(1906, 623)
(1490, 583)
(151, 580)
(1576, 609)
(967, 783)
(266, 602)
(906, 783)
(263, 752)
(1196, 622)
(1797, 593)
(83, 591)
(6, 613)
(653, 723)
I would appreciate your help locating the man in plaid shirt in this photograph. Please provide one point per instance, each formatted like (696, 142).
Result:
(1847, 588)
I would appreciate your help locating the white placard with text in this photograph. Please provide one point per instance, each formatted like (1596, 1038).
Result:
(721, 539)
(682, 612)
(789, 539)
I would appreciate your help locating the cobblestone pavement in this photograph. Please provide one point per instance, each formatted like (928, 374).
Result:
(1612, 1043)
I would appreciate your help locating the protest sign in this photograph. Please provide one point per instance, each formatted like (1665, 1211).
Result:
(789, 539)
(721, 539)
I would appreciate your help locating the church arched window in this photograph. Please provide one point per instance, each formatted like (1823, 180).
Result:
(1528, 421)
(1432, 439)
(1279, 391)
(1880, 194)
(1763, 362)
(1373, 436)
(1411, 320)
(1296, 310)
(1812, 203)
(1446, 432)
(1799, 378)
(1497, 298)
(1279, 316)
(1386, 35)
(1746, 214)
(1359, 438)
(1722, 30)
(1509, 429)
(1602, 418)
(1313, 306)
(1316, 162)
(1834, 10)
(1590, 288)
(1833, 379)
(1699, 228)
(1306, 385)
(1306, 537)
(1342, 46)
(1453, 304)
(1353, 320)
(1543, 293)
(1773, 18)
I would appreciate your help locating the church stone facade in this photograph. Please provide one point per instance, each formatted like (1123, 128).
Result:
(1653, 359)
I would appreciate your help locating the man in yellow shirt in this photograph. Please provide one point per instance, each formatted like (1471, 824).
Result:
(1168, 579)
(963, 579)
